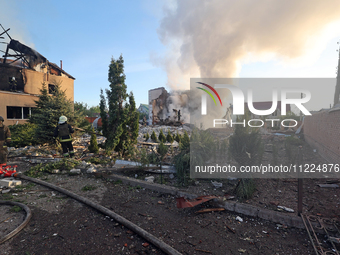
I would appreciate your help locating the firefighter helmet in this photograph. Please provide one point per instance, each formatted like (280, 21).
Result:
(62, 119)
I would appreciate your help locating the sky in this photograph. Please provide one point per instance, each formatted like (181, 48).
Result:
(165, 43)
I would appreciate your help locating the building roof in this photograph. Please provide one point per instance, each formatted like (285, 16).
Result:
(60, 70)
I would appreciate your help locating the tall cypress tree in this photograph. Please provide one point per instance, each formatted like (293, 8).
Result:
(120, 127)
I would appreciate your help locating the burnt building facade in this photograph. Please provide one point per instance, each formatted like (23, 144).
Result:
(23, 71)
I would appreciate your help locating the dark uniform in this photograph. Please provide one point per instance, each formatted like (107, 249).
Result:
(5, 140)
(64, 131)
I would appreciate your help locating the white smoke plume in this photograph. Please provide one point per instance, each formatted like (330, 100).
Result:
(213, 38)
(9, 19)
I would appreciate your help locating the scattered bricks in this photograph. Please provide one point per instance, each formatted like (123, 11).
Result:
(246, 209)
(9, 182)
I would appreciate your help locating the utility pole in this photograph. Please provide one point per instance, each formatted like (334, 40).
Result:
(337, 87)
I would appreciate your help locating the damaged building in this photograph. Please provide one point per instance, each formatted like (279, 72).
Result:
(22, 73)
(168, 108)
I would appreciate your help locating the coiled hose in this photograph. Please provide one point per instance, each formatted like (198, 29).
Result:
(138, 230)
(22, 225)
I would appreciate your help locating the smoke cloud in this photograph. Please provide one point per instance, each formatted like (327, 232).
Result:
(214, 38)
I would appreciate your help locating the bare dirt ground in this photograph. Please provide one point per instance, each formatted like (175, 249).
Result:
(60, 225)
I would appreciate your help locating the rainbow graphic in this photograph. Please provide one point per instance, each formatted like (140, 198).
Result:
(209, 93)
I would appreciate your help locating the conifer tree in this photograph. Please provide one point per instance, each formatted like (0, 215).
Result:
(185, 141)
(161, 136)
(169, 137)
(119, 117)
(115, 96)
(177, 138)
(48, 110)
(154, 137)
(130, 127)
(146, 136)
(93, 148)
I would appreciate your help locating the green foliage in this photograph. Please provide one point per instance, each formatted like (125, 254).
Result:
(48, 110)
(93, 148)
(161, 136)
(169, 137)
(143, 157)
(98, 161)
(162, 149)
(291, 140)
(92, 111)
(185, 141)
(119, 117)
(202, 146)
(130, 128)
(142, 115)
(154, 137)
(245, 188)
(64, 164)
(88, 187)
(15, 209)
(245, 146)
(152, 158)
(146, 136)
(23, 134)
(177, 137)
(182, 164)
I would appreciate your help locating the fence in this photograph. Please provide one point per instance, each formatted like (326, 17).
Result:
(322, 132)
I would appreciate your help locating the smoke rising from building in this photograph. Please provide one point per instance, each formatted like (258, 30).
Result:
(211, 39)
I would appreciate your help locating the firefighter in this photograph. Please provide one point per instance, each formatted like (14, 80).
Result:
(5, 140)
(64, 131)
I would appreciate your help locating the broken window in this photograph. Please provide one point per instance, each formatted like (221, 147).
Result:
(17, 112)
(51, 89)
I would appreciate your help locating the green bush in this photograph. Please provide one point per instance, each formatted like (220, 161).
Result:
(246, 148)
(146, 136)
(169, 137)
(64, 164)
(93, 148)
(161, 136)
(152, 158)
(177, 138)
(154, 137)
(185, 141)
(143, 157)
(162, 149)
(23, 135)
(245, 188)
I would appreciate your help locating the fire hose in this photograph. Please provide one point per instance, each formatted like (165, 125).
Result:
(22, 225)
(138, 230)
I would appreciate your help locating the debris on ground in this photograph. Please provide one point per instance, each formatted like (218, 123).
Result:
(183, 203)
(285, 208)
(238, 218)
